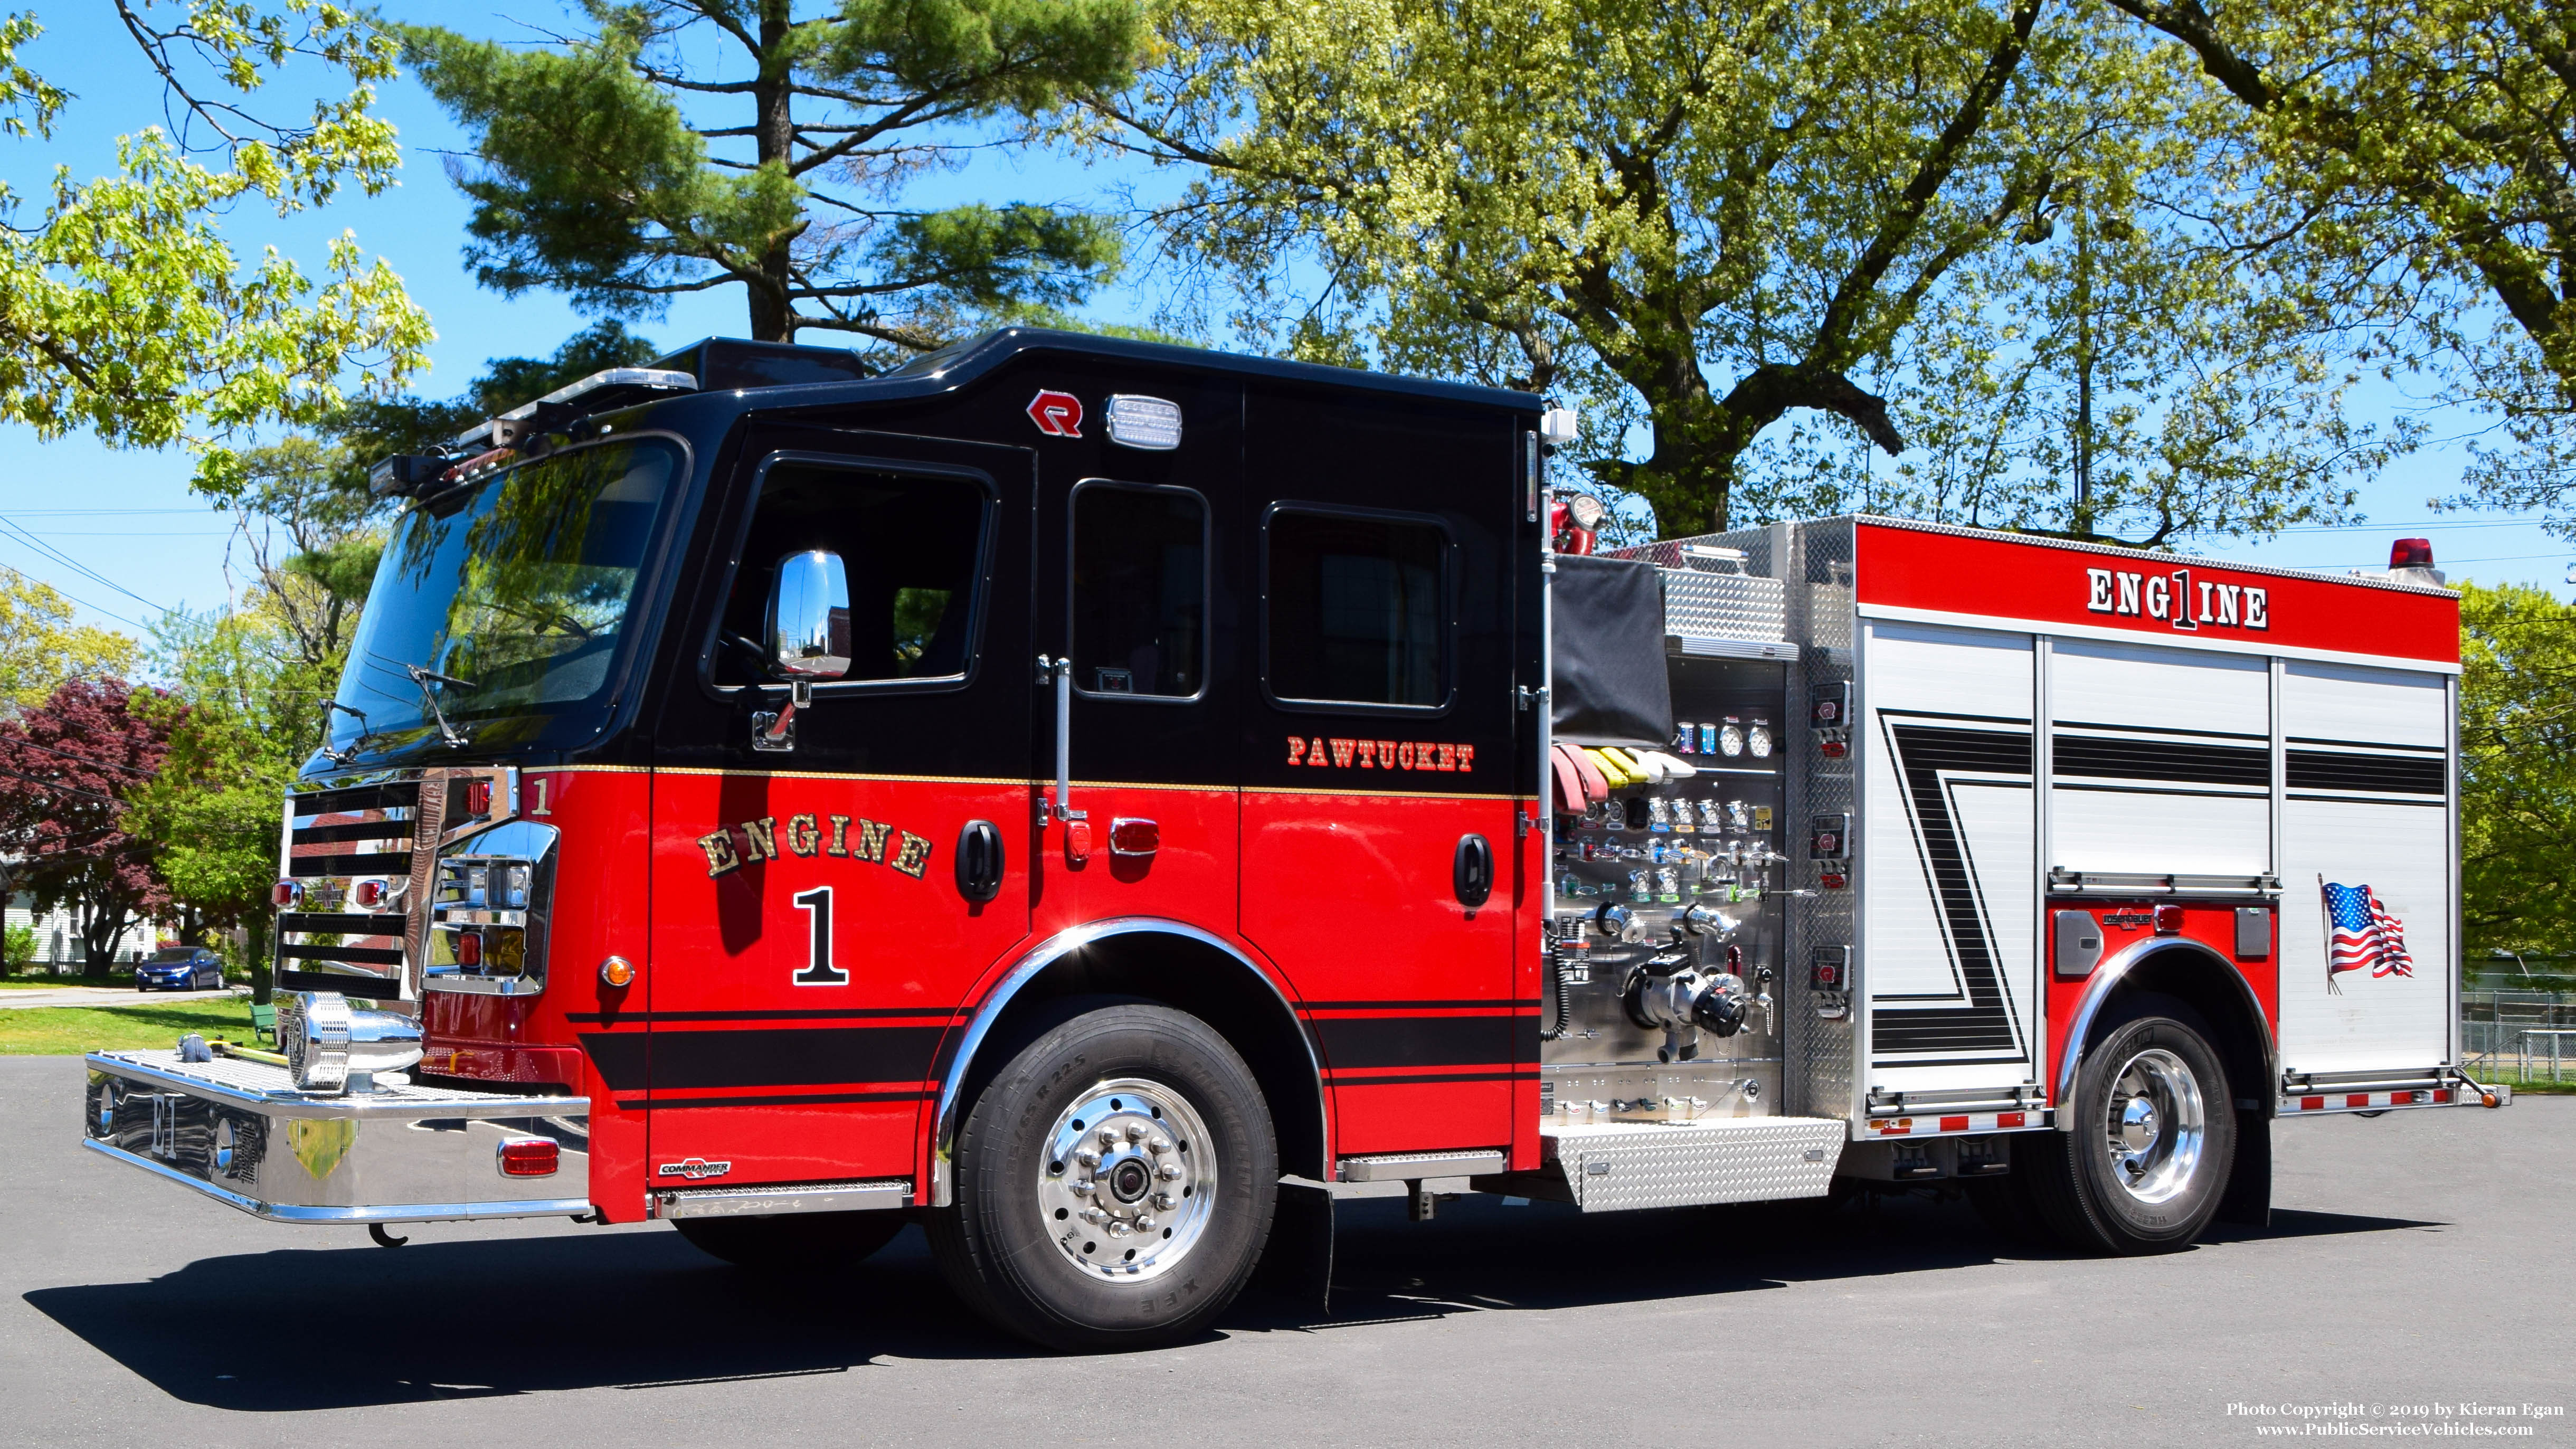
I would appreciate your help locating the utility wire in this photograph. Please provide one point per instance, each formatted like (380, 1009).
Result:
(60, 789)
(77, 566)
(6, 745)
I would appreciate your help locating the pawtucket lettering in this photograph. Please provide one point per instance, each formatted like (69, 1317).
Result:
(1380, 754)
(805, 835)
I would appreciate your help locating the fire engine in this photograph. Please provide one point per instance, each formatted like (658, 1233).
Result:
(1095, 799)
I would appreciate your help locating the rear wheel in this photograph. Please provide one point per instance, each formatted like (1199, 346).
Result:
(1113, 1183)
(2155, 1133)
(802, 1241)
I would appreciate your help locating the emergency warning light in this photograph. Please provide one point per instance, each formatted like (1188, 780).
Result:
(2411, 553)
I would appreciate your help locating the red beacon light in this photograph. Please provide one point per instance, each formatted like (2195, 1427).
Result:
(2411, 553)
(2168, 920)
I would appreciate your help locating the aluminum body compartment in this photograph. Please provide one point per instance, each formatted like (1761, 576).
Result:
(240, 1133)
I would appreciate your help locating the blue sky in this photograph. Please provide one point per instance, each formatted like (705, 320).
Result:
(119, 532)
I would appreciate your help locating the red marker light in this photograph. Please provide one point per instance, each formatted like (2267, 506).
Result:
(369, 894)
(285, 894)
(469, 948)
(2411, 553)
(2168, 920)
(530, 1157)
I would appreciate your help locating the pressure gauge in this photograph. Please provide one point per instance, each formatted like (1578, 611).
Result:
(1758, 740)
(1730, 740)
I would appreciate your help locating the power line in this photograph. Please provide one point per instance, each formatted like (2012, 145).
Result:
(75, 564)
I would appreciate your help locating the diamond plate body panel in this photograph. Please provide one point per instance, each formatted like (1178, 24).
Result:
(1823, 1054)
(1724, 606)
(1617, 1167)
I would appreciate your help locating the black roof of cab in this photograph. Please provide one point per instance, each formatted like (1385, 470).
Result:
(799, 376)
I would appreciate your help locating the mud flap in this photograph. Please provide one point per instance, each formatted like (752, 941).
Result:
(2249, 1180)
(1297, 1263)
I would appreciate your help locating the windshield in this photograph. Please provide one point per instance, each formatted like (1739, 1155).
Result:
(175, 953)
(495, 616)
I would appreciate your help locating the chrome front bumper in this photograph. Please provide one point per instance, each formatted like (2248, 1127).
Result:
(240, 1133)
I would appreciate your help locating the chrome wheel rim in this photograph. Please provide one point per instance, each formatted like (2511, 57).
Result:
(1126, 1186)
(2157, 1126)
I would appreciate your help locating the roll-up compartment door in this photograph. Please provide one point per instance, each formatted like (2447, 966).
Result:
(2367, 941)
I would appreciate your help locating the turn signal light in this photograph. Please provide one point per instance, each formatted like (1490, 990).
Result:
(285, 894)
(2168, 920)
(530, 1157)
(469, 948)
(616, 971)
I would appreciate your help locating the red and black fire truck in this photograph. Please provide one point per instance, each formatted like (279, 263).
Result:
(1095, 799)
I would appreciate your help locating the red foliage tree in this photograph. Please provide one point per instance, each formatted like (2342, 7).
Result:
(66, 769)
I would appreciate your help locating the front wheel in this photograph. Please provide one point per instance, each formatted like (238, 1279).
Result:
(2155, 1135)
(1113, 1183)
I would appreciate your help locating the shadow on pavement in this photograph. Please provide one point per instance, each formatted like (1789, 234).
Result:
(350, 1326)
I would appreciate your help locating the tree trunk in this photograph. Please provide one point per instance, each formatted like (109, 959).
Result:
(773, 310)
(255, 950)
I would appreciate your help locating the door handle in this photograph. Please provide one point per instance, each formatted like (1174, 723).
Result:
(979, 861)
(1471, 871)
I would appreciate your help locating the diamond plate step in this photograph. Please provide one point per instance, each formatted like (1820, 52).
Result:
(1617, 1166)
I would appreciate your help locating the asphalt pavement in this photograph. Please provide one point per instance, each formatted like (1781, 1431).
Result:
(2420, 1270)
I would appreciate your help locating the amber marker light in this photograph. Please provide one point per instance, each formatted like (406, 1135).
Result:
(616, 971)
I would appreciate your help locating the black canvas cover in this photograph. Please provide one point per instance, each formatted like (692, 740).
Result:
(1610, 687)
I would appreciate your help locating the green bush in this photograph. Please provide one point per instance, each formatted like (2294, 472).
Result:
(17, 948)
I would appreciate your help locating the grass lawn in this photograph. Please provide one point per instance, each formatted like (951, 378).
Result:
(47, 983)
(71, 1030)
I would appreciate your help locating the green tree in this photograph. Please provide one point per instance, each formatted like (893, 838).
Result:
(1713, 216)
(241, 710)
(40, 646)
(2426, 143)
(123, 311)
(684, 145)
(2517, 771)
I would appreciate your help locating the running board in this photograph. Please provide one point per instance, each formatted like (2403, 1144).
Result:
(1617, 1166)
(761, 1202)
(1415, 1166)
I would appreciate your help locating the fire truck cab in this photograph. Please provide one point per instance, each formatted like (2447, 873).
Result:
(1093, 797)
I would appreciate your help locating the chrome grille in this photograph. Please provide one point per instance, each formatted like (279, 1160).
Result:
(336, 840)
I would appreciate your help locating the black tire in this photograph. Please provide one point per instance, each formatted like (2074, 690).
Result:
(1013, 1244)
(802, 1242)
(2166, 1188)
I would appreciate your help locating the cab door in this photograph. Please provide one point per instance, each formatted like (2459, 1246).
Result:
(820, 913)
(1380, 787)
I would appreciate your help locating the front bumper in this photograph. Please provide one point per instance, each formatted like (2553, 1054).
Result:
(240, 1133)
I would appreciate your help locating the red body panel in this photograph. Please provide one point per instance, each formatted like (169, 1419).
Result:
(2008, 580)
(1413, 1005)
(567, 1032)
(2125, 924)
(791, 1080)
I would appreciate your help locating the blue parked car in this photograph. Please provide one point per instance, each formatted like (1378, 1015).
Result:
(180, 968)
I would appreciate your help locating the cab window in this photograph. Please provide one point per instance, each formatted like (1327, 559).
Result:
(1139, 590)
(913, 545)
(1355, 609)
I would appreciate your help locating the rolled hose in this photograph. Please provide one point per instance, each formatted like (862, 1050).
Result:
(1558, 1005)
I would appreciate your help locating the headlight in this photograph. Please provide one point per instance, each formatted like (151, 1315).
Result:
(325, 1039)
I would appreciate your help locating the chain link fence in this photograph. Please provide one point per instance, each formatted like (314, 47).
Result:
(2526, 1038)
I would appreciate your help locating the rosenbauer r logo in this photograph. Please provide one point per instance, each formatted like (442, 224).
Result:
(2177, 599)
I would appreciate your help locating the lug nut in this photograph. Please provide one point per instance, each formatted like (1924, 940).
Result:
(1144, 1222)
(1087, 1157)
(1159, 1145)
(1108, 1136)
(1166, 1201)
(1117, 1229)
(1082, 1187)
(1135, 1131)
(1169, 1172)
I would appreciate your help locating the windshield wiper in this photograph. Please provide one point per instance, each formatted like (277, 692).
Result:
(422, 678)
(342, 757)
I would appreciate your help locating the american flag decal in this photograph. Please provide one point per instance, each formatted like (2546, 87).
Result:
(2360, 932)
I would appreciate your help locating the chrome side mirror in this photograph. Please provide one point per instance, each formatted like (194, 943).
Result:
(806, 638)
